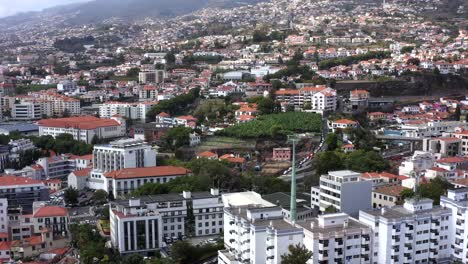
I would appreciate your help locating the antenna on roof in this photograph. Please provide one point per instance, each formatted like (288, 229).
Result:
(293, 139)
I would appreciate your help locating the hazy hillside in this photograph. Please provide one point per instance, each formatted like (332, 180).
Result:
(97, 11)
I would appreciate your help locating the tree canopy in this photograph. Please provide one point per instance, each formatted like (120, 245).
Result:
(298, 254)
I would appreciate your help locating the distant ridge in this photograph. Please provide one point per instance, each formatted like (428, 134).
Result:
(97, 11)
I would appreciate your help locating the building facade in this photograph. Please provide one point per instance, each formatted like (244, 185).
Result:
(343, 190)
(416, 232)
(83, 128)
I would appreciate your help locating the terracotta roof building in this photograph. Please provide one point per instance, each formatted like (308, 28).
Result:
(21, 191)
(127, 180)
(83, 128)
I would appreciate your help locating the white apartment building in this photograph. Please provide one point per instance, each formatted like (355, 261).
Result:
(320, 98)
(144, 224)
(26, 111)
(57, 167)
(136, 111)
(344, 190)
(431, 129)
(419, 162)
(67, 86)
(17, 147)
(83, 128)
(122, 154)
(155, 76)
(463, 136)
(457, 201)
(255, 231)
(207, 211)
(118, 155)
(148, 93)
(416, 232)
(337, 238)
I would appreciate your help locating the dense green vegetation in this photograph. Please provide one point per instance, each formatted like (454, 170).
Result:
(263, 36)
(326, 64)
(360, 161)
(176, 105)
(275, 124)
(191, 59)
(213, 174)
(91, 245)
(298, 254)
(25, 159)
(63, 143)
(176, 137)
(73, 44)
(432, 190)
(24, 89)
(214, 110)
(182, 252)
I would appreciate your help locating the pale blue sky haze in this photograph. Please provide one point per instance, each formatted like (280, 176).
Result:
(8, 7)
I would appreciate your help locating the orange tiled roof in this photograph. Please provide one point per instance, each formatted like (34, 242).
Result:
(392, 190)
(207, 154)
(14, 180)
(48, 211)
(5, 245)
(345, 121)
(158, 171)
(289, 91)
(82, 173)
(81, 122)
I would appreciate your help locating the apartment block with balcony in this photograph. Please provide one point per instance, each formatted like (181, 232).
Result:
(337, 238)
(457, 201)
(416, 232)
(255, 231)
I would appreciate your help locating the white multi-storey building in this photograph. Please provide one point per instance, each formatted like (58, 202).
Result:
(337, 238)
(154, 76)
(419, 162)
(416, 232)
(457, 201)
(463, 136)
(143, 225)
(135, 111)
(320, 98)
(83, 128)
(344, 190)
(3, 215)
(122, 154)
(119, 155)
(26, 111)
(57, 166)
(18, 147)
(207, 211)
(431, 129)
(255, 231)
